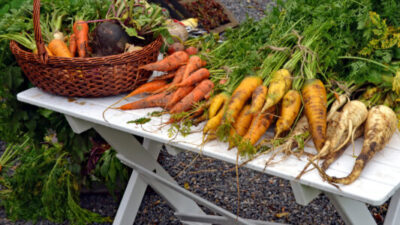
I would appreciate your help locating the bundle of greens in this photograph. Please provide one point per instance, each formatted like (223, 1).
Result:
(322, 48)
(42, 185)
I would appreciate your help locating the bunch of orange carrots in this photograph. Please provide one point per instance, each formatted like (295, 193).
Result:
(185, 83)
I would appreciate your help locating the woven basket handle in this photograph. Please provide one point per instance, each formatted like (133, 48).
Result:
(42, 53)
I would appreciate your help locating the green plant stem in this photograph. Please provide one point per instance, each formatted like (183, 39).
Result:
(370, 61)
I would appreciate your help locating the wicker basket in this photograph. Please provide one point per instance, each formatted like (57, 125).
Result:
(83, 77)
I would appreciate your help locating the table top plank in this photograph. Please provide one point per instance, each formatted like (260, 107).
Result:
(379, 180)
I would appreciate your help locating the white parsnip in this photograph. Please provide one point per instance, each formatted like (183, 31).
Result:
(340, 128)
(379, 128)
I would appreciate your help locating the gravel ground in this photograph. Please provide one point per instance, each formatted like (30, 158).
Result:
(262, 197)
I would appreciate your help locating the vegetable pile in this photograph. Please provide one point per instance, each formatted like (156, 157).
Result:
(126, 26)
(326, 71)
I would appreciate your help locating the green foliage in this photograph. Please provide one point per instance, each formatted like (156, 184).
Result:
(111, 170)
(43, 187)
(30, 188)
(388, 9)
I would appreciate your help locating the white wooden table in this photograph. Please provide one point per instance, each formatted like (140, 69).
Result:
(379, 181)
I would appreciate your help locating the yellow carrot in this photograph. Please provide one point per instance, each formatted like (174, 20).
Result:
(289, 110)
(258, 98)
(280, 83)
(239, 97)
(216, 103)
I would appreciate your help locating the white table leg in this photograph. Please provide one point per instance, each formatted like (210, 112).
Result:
(393, 214)
(131, 200)
(302, 193)
(352, 212)
(131, 150)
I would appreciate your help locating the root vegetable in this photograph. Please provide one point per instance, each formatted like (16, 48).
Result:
(336, 105)
(239, 97)
(81, 30)
(294, 139)
(243, 121)
(258, 98)
(214, 122)
(158, 100)
(354, 114)
(259, 125)
(177, 46)
(58, 47)
(379, 128)
(72, 44)
(290, 108)
(333, 156)
(280, 83)
(198, 93)
(178, 95)
(191, 50)
(340, 129)
(195, 77)
(148, 87)
(166, 76)
(315, 103)
(193, 64)
(241, 125)
(169, 63)
(109, 39)
(300, 134)
(216, 103)
(179, 75)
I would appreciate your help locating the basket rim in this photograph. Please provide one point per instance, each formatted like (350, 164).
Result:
(89, 61)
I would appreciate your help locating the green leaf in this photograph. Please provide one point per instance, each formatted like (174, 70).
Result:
(142, 120)
(112, 172)
(45, 112)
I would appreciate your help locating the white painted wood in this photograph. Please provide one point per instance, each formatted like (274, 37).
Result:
(352, 212)
(378, 182)
(131, 200)
(130, 150)
(303, 194)
(77, 125)
(180, 203)
(219, 219)
(152, 147)
(393, 214)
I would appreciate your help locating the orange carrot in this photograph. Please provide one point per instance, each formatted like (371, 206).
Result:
(196, 95)
(179, 75)
(177, 79)
(47, 50)
(239, 97)
(72, 44)
(243, 121)
(81, 30)
(166, 76)
(195, 77)
(158, 100)
(193, 64)
(59, 48)
(148, 87)
(241, 126)
(178, 95)
(259, 125)
(169, 63)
